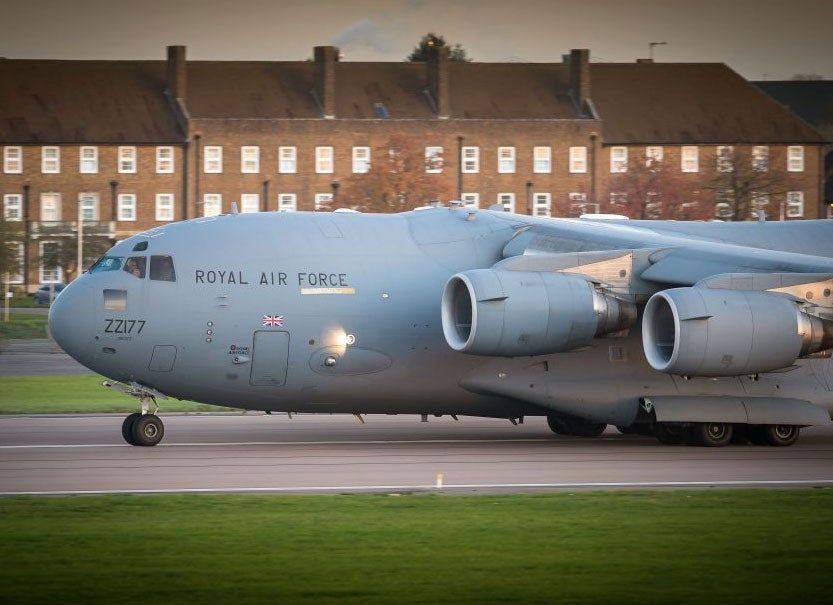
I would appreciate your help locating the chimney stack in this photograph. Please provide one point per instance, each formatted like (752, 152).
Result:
(176, 72)
(438, 79)
(580, 78)
(325, 79)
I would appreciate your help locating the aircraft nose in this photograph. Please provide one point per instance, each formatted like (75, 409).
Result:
(71, 320)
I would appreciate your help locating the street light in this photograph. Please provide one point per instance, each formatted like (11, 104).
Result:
(651, 46)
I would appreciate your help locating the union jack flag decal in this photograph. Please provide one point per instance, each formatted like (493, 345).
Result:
(273, 320)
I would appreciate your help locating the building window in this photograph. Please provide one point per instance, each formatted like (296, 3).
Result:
(725, 155)
(725, 204)
(287, 160)
(88, 204)
(578, 203)
(127, 160)
(795, 161)
(795, 204)
(470, 200)
(324, 160)
(13, 207)
(541, 204)
(760, 200)
(50, 160)
(433, 160)
(12, 160)
(618, 159)
(88, 160)
(471, 160)
(213, 160)
(287, 202)
(164, 206)
(127, 207)
(653, 205)
(760, 158)
(16, 250)
(578, 160)
(361, 160)
(250, 159)
(249, 203)
(50, 270)
(542, 160)
(506, 160)
(164, 160)
(653, 156)
(212, 204)
(619, 200)
(507, 200)
(323, 201)
(50, 207)
(690, 159)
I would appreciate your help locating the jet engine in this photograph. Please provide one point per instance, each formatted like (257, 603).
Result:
(515, 313)
(715, 332)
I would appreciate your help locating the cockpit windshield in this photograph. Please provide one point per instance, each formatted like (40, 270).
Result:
(162, 268)
(107, 263)
(136, 266)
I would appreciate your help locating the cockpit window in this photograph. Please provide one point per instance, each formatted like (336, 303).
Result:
(107, 263)
(140, 247)
(162, 268)
(136, 266)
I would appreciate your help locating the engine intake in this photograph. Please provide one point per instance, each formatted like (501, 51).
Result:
(714, 332)
(515, 313)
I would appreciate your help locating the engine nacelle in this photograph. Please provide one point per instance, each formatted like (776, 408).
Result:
(713, 332)
(515, 313)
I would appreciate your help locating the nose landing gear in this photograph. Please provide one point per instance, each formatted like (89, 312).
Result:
(145, 428)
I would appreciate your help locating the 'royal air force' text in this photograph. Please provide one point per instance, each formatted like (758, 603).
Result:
(236, 277)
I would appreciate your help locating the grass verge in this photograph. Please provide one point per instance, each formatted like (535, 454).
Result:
(76, 394)
(672, 547)
(25, 326)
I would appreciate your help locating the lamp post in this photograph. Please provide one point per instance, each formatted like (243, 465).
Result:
(80, 259)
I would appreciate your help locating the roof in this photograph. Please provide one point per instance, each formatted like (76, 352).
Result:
(689, 103)
(810, 99)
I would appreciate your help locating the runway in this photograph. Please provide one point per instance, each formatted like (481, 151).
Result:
(335, 454)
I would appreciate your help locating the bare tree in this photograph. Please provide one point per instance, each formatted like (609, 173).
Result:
(456, 53)
(11, 234)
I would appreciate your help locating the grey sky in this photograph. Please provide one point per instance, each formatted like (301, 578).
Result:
(758, 38)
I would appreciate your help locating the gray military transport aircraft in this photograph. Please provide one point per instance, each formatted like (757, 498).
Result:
(702, 333)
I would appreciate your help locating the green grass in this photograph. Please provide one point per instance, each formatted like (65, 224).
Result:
(22, 325)
(76, 394)
(671, 547)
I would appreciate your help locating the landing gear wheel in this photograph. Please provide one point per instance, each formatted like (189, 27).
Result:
(780, 435)
(127, 427)
(712, 434)
(559, 424)
(588, 429)
(669, 433)
(147, 430)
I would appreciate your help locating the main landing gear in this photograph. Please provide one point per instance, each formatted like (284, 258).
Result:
(145, 428)
(564, 424)
(718, 434)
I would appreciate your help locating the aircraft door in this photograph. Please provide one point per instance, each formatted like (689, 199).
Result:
(270, 358)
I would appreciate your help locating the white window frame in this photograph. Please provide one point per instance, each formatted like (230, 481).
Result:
(618, 199)
(506, 160)
(760, 199)
(212, 161)
(507, 200)
(88, 160)
(52, 210)
(618, 159)
(48, 276)
(760, 158)
(88, 206)
(13, 160)
(212, 204)
(324, 160)
(470, 200)
(542, 204)
(323, 201)
(470, 159)
(795, 161)
(433, 160)
(542, 159)
(18, 250)
(249, 203)
(250, 159)
(361, 160)
(724, 158)
(12, 207)
(165, 207)
(794, 204)
(165, 160)
(287, 202)
(578, 202)
(50, 160)
(578, 160)
(126, 207)
(690, 158)
(654, 155)
(287, 160)
(127, 160)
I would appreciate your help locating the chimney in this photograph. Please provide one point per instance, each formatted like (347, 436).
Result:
(644, 60)
(580, 78)
(325, 79)
(176, 72)
(438, 80)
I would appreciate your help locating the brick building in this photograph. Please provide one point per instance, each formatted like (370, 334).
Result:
(127, 145)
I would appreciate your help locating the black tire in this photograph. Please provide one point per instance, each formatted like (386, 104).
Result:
(127, 427)
(740, 434)
(756, 434)
(780, 435)
(148, 430)
(588, 429)
(670, 433)
(627, 430)
(712, 434)
(559, 425)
